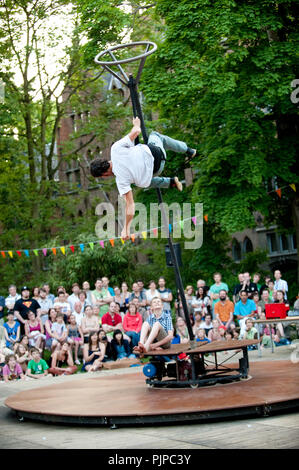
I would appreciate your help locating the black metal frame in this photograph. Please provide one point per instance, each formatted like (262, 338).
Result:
(218, 374)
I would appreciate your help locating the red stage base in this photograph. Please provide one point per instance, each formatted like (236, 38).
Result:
(126, 400)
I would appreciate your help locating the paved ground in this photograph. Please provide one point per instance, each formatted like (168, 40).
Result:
(266, 433)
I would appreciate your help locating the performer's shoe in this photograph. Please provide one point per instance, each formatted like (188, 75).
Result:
(190, 154)
(178, 184)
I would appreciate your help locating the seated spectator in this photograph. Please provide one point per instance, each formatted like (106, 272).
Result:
(108, 349)
(263, 301)
(151, 293)
(23, 356)
(256, 299)
(45, 303)
(216, 288)
(75, 337)
(52, 315)
(59, 332)
(35, 293)
(272, 292)
(248, 286)
(250, 332)
(157, 330)
(62, 303)
(243, 309)
(111, 321)
(207, 323)
(197, 323)
(280, 284)
(61, 288)
(93, 353)
(201, 336)
(74, 297)
(96, 313)
(132, 323)
(189, 297)
(125, 294)
(77, 312)
(50, 296)
(237, 288)
(24, 341)
(120, 347)
(62, 358)
(83, 300)
(12, 297)
(280, 299)
(165, 294)
(201, 301)
(37, 367)
(118, 298)
(224, 309)
(89, 323)
(228, 335)
(182, 330)
(12, 331)
(136, 295)
(236, 333)
(176, 337)
(23, 306)
(265, 285)
(102, 295)
(12, 370)
(214, 334)
(256, 280)
(34, 329)
(222, 331)
(89, 296)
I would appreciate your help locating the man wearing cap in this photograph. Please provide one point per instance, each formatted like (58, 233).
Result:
(24, 305)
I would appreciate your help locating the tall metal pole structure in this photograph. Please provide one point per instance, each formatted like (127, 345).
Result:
(132, 83)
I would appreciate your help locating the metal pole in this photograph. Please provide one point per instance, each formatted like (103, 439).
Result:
(132, 85)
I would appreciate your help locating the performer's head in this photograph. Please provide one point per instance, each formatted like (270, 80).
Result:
(100, 168)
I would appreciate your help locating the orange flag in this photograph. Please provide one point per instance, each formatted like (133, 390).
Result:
(278, 192)
(111, 241)
(206, 217)
(133, 237)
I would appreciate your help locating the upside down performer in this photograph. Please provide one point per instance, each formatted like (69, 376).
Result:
(141, 165)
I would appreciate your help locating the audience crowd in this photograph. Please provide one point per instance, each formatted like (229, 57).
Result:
(43, 333)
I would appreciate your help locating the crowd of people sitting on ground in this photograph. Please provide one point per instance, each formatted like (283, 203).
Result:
(45, 334)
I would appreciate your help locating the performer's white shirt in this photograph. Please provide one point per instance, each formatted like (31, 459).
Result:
(131, 164)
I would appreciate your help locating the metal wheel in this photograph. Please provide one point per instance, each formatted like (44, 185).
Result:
(109, 51)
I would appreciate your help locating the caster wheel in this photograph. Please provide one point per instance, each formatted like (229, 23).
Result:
(194, 386)
(150, 385)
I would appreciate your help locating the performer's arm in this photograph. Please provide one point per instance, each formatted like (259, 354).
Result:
(130, 211)
(136, 129)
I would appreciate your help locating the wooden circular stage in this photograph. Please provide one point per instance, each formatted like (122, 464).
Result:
(125, 399)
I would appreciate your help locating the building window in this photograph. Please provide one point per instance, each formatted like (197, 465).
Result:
(284, 243)
(236, 250)
(272, 242)
(247, 245)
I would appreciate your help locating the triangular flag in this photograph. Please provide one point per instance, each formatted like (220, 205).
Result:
(54, 251)
(35, 252)
(123, 241)
(26, 253)
(133, 237)
(10, 254)
(101, 243)
(62, 248)
(206, 217)
(45, 251)
(194, 220)
(111, 241)
(91, 244)
(170, 228)
(3, 254)
(72, 248)
(182, 224)
(144, 234)
(278, 192)
(19, 253)
(155, 230)
(293, 186)
(82, 247)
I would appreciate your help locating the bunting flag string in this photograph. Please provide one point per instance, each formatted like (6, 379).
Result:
(45, 251)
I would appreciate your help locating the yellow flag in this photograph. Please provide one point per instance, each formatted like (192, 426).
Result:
(144, 234)
(10, 254)
(62, 250)
(293, 186)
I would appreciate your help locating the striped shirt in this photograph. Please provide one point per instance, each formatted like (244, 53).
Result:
(165, 320)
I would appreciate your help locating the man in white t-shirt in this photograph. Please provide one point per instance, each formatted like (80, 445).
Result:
(140, 165)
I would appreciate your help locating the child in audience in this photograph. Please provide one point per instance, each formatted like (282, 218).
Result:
(37, 367)
(75, 336)
(59, 331)
(22, 356)
(201, 336)
(214, 334)
(197, 322)
(12, 370)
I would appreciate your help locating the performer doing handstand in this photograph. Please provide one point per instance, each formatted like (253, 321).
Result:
(140, 165)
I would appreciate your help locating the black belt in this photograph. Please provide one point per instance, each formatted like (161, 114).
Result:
(158, 156)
